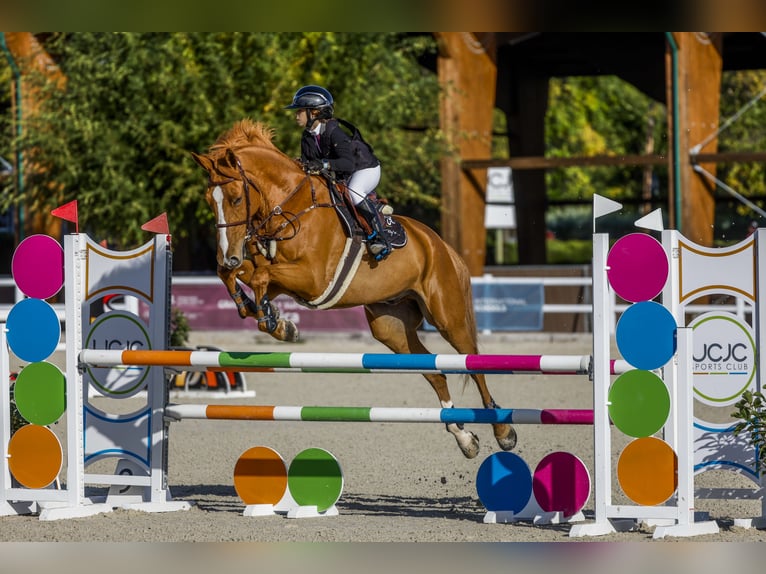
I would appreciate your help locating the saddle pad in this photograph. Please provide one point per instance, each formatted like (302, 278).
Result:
(394, 231)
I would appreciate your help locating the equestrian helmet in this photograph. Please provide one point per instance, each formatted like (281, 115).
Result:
(312, 98)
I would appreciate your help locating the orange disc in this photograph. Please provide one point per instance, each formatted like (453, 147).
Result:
(647, 471)
(260, 476)
(35, 456)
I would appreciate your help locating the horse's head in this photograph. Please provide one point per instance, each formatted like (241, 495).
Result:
(234, 201)
(249, 180)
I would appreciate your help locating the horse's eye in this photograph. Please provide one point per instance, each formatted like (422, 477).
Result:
(236, 201)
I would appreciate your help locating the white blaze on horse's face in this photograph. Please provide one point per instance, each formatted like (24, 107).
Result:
(223, 238)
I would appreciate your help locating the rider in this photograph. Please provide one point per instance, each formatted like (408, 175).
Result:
(326, 147)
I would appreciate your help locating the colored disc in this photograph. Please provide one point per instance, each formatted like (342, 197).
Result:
(260, 476)
(504, 482)
(639, 403)
(34, 330)
(646, 335)
(40, 393)
(315, 479)
(35, 456)
(561, 483)
(38, 266)
(637, 267)
(647, 471)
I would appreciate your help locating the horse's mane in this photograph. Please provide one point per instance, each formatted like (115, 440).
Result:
(245, 132)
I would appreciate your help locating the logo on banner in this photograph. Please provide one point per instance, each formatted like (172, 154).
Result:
(723, 358)
(118, 331)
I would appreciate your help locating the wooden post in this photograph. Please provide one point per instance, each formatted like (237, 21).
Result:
(699, 88)
(468, 75)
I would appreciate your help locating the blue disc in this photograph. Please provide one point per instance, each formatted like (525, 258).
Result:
(504, 482)
(646, 335)
(34, 330)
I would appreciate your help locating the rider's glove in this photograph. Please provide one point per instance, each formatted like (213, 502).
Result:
(316, 165)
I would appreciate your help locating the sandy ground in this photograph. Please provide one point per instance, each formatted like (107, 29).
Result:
(403, 482)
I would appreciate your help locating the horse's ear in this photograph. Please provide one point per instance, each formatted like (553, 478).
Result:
(203, 161)
(231, 158)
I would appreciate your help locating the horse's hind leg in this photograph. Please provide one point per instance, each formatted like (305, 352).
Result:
(396, 327)
(457, 326)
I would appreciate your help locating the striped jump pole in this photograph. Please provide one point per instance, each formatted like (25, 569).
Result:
(179, 412)
(349, 362)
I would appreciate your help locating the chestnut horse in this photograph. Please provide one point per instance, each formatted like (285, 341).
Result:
(279, 234)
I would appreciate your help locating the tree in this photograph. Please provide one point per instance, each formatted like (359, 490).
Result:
(743, 117)
(119, 138)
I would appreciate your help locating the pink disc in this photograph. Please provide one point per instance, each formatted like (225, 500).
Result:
(637, 267)
(38, 266)
(561, 483)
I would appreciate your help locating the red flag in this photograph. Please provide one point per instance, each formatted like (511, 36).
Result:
(68, 212)
(157, 225)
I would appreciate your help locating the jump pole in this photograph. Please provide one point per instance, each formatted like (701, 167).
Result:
(350, 362)
(177, 412)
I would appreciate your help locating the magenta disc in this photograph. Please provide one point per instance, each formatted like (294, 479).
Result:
(38, 266)
(637, 267)
(561, 483)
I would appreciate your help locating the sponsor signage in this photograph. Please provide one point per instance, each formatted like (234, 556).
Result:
(723, 358)
(501, 306)
(500, 212)
(117, 330)
(208, 307)
(498, 306)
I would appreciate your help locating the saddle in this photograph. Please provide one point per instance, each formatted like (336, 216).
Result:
(355, 224)
(356, 230)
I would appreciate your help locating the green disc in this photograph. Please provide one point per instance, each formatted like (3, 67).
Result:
(40, 393)
(639, 403)
(315, 479)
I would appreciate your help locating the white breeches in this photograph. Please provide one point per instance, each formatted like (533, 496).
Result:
(363, 182)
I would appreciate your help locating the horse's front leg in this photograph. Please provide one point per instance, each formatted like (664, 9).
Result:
(231, 278)
(266, 313)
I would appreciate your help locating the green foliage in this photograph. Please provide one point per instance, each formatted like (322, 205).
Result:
(751, 413)
(179, 328)
(569, 252)
(745, 133)
(118, 137)
(599, 115)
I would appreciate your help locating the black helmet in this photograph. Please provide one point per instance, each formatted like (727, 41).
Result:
(312, 98)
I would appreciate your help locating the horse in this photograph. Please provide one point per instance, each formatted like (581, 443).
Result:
(278, 232)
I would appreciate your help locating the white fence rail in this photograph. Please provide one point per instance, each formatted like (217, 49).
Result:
(739, 307)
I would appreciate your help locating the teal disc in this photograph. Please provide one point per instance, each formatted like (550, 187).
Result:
(646, 335)
(34, 330)
(315, 479)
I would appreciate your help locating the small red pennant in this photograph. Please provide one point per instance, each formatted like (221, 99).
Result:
(157, 225)
(68, 212)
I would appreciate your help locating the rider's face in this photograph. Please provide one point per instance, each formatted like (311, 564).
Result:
(301, 117)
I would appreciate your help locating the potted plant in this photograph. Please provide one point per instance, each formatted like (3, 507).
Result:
(751, 413)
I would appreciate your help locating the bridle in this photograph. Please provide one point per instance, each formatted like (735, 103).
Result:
(290, 219)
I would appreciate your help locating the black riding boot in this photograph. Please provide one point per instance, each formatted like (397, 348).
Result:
(377, 241)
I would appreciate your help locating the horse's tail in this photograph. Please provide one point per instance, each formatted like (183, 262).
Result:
(464, 277)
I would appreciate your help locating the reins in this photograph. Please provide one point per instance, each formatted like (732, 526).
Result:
(292, 220)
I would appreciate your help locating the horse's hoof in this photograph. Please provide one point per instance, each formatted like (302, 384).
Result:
(291, 332)
(469, 445)
(508, 442)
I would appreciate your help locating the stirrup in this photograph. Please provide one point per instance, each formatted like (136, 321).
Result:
(383, 253)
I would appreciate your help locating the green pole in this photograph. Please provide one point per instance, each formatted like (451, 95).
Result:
(19, 167)
(676, 136)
